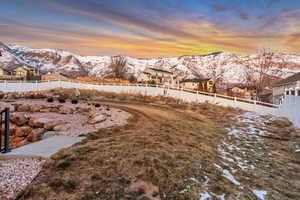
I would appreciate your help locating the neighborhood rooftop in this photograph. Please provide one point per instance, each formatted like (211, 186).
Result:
(290, 79)
(194, 80)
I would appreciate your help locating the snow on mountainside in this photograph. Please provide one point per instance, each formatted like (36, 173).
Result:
(233, 66)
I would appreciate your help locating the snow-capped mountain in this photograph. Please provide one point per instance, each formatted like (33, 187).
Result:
(234, 68)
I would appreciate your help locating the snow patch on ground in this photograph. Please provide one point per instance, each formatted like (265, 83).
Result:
(261, 194)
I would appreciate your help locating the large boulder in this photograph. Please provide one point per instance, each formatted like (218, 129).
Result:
(18, 118)
(24, 108)
(61, 127)
(36, 134)
(37, 122)
(97, 118)
(23, 131)
(66, 110)
(51, 124)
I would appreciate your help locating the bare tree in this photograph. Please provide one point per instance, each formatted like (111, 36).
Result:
(216, 72)
(118, 66)
(266, 68)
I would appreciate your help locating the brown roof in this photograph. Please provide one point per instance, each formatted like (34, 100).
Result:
(290, 79)
(195, 80)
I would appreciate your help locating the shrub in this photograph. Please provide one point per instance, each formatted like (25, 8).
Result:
(74, 101)
(97, 105)
(61, 100)
(50, 99)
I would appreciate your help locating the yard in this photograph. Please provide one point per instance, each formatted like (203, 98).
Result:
(173, 151)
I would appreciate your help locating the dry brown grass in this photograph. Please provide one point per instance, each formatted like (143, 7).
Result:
(101, 80)
(164, 145)
(160, 145)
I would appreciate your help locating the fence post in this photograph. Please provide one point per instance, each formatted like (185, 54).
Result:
(36, 85)
(5, 84)
(197, 96)
(254, 103)
(215, 97)
(6, 138)
(234, 99)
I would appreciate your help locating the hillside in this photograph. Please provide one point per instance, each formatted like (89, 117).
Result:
(233, 67)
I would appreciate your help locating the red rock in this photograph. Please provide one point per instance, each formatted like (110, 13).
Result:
(38, 122)
(65, 110)
(22, 143)
(51, 124)
(97, 118)
(36, 134)
(61, 127)
(18, 140)
(24, 108)
(18, 118)
(23, 131)
(36, 108)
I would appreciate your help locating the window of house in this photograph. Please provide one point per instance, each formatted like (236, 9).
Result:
(287, 92)
(298, 93)
(293, 92)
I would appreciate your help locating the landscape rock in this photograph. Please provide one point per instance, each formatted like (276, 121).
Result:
(24, 108)
(51, 124)
(60, 127)
(36, 134)
(65, 110)
(23, 131)
(19, 118)
(97, 118)
(38, 122)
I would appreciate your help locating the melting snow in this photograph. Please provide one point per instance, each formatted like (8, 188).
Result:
(260, 194)
(204, 196)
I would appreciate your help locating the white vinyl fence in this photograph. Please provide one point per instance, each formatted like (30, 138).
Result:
(290, 107)
(185, 95)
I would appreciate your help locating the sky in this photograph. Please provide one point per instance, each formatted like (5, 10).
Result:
(152, 28)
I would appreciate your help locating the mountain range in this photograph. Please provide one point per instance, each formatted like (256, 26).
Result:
(233, 68)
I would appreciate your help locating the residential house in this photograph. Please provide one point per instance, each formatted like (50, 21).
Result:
(4, 72)
(19, 72)
(245, 91)
(207, 84)
(288, 86)
(156, 76)
(26, 72)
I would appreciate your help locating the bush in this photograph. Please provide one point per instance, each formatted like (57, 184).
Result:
(50, 99)
(74, 101)
(97, 105)
(61, 100)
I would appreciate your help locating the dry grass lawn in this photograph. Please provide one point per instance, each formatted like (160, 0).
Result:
(169, 151)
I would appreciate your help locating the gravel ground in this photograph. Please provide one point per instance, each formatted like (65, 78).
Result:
(16, 174)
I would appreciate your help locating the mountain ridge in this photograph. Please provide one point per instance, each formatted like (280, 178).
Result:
(233, 67)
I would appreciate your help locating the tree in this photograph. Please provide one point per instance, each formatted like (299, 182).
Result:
(216, 72)
(118, 66)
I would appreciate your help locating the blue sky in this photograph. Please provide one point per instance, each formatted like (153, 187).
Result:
(152, 28)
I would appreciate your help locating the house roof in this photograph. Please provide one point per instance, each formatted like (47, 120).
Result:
(290, 79)
(249, 87)
(160, 70)
(5, 69)
(195, 80)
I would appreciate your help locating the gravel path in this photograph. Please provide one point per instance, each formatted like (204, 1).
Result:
(16, 174)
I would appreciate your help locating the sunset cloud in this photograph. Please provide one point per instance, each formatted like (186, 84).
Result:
(154, 28)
